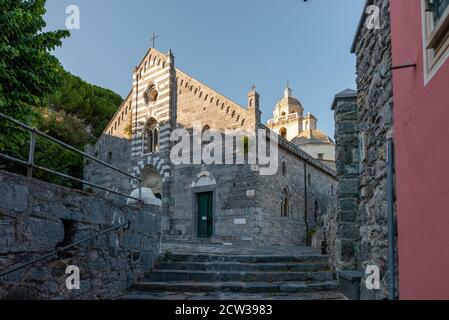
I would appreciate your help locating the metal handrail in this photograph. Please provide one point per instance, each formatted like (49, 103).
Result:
(30, 164)
(62, 249)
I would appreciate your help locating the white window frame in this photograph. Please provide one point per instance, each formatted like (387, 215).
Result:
(435, 41)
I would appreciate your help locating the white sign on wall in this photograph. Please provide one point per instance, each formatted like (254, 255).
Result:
(239, 221)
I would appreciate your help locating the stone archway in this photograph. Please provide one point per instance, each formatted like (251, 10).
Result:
(151, 178)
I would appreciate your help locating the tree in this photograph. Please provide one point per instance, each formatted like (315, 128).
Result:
(35, 89)
(93, 104)
(28, 71)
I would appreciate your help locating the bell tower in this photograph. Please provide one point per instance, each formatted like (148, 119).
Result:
(253, 104)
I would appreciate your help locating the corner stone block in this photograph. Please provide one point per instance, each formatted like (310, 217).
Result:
(348, 204)
(348, 188)
(348, 231)
(347, 216)
(345, 250)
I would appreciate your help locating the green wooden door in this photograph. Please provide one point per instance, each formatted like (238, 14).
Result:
(205, 215)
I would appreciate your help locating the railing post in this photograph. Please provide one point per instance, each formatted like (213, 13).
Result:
(31, 153)
(140, 192)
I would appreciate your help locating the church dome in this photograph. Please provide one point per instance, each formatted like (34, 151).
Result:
(288, 105)
(289, 101)
(312, 137)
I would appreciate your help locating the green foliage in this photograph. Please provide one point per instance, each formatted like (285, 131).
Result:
(311, 233)
(167, 256)
(79, 113)
(245, 145)
(91, 103)
(55, 157)
(28, 72)
(128, 130)
(69, 129)
(65, 127)
(32, 82)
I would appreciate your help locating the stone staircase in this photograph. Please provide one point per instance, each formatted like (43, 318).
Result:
(219, 272)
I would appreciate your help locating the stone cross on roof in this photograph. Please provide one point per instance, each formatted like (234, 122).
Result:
(153, 38)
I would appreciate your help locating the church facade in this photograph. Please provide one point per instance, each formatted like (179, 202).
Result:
(228, 201)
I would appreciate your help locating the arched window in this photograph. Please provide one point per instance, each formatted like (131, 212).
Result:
(205, 136)
(151, 137)
(284, 168)
(316, 211)
(285, 204)
(283, 133)
(109, 158)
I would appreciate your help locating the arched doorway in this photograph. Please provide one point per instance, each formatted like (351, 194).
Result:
(152, 179)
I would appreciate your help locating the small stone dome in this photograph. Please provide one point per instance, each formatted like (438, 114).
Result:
(148, 197)
(312, 137)
(288, 105)
(289, 101)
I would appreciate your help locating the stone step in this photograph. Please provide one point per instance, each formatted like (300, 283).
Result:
(187, 257)
(230, 296)
(238, 266)
(237, 287)
(232, 276)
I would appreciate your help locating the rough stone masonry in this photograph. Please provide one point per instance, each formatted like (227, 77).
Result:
(37, 217)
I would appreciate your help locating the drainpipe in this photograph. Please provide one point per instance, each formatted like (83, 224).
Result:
(391, 218)
(305, 203)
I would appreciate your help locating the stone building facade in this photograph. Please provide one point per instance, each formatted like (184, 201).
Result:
(232, 202)
(364, 120)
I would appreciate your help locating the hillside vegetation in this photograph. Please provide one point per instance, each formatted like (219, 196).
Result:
(35, 89)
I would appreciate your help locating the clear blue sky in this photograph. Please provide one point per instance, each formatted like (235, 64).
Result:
(228, 45)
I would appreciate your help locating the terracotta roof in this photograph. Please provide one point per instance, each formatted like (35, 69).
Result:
(312, 137)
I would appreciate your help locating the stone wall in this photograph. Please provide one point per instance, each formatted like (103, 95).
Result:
(37, 217)
(347, 150)
(375, 120)
(229, 184)
(312, 192)
(362, 126)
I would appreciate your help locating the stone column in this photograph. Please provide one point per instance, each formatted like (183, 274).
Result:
(347, 162)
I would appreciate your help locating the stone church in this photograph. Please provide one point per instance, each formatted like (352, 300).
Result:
(222, 203)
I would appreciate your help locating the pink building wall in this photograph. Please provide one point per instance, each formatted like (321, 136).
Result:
(422, 160)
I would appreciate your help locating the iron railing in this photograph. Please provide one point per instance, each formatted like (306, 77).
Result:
(62, 249)
(32, 166)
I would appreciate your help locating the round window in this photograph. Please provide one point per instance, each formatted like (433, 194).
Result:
(151, 94)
